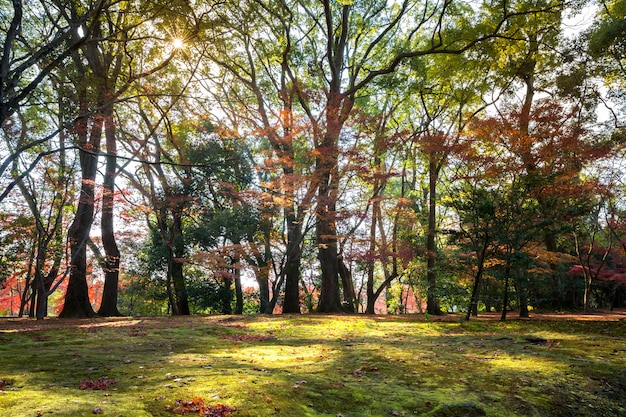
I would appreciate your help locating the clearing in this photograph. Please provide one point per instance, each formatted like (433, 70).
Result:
(314, 365)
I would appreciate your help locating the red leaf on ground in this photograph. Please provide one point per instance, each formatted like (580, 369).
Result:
(197, 405)
(101, 383)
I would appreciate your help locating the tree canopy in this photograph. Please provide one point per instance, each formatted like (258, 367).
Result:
(310, 155)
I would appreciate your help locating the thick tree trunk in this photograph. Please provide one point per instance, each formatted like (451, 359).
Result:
(371, 259)
(262, 278)
(291, 303)
(330, 299)
(371, 299)
(108, 305)
(263, 264)
(327, 170)
(41, 309)
(326, 232)
(227, 295)
(505, 296)
(587, 294)
(77, 302)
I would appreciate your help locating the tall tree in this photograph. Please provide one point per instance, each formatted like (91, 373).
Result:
(103, 71)
(38, 38)
(46, 191)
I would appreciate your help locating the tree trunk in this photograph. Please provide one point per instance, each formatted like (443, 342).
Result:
(77, 302)
(108, 305)
(371, 259)
(263, 266)
(178, 253)
(432, 301)
(238, 288)
(473, 307)
(505, 296)
(262, 278)
(338, 108)
(291, 302)
(330, 299)
(587, 294)
(326, 227)
(522, 293)
(227, 296)
(349, 297)
(371, 300)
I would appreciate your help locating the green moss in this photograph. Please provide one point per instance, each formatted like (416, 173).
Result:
(314, 366)
(467, 409)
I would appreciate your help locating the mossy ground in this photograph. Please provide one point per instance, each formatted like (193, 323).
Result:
(315, 366)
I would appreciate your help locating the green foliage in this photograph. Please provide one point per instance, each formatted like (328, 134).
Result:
(206, 296)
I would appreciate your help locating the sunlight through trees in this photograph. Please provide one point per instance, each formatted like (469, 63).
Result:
(311, 156)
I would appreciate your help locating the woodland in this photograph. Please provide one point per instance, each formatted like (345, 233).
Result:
(329, 156)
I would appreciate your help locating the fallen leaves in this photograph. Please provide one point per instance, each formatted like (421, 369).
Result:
(102, 383)
(197, 405)
(248, 338)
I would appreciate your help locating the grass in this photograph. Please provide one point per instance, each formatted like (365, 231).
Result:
(314, 366)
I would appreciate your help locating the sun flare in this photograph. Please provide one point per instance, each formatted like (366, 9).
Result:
(178, 43)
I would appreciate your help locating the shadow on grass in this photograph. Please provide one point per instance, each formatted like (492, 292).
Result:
(314, 366)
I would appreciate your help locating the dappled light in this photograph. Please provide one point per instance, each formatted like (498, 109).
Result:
(261, 366)
(250, 208)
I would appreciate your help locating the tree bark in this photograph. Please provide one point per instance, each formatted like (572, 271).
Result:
(238, 288)
(473, 307)
(349, 297)
(326, 232)
(522, 293)
(77, 302)
(177, 253)
(432, 300)
(291, 302)
(505, 296)
(108, 305)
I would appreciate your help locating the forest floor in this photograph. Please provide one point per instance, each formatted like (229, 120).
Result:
(315, 365)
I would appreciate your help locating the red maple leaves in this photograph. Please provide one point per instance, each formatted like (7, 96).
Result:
(101, 383)
(197, 405)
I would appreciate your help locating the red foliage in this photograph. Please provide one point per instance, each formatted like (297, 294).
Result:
(613, 273)
(197, 405)
(11, 294)
(101, 383)
(554, 150)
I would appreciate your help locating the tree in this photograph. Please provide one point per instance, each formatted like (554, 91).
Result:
(48, 182)
(38, 40)
(102, 73)
(592, 257)
(607, 47)
(540, 173)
